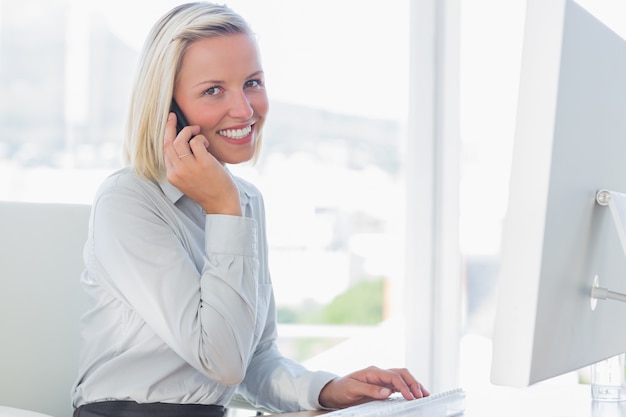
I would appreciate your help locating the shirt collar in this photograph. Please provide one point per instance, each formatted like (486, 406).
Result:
(170, 191)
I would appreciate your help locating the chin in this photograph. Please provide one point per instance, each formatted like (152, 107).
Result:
(237, 159)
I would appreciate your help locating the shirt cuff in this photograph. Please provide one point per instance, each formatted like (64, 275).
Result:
(318, 381)
(233, 235)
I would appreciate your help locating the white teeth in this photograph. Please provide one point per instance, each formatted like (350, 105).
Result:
(236, 133)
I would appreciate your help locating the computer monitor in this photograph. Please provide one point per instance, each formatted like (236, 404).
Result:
(570, 142)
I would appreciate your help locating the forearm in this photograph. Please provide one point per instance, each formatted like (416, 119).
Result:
(286, 385)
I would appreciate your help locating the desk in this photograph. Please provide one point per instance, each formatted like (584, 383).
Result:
(547, 399)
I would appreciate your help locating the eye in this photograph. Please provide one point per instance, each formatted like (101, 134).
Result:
(254, 83)
(212, 91)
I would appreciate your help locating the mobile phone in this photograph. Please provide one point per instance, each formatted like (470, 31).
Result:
(181, 120)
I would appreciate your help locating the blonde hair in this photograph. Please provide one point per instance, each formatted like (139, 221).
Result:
(159, 65)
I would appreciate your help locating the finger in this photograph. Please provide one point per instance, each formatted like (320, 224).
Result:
(364, 391)
(176, 145)
(198, 143)
(395, 380)
(187, 133)
(181, 143)
(169, 153)
(415, 389)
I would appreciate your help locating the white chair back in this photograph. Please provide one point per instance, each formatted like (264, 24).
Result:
(41, 301)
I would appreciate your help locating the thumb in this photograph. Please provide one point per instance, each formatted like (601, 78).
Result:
(372, 391)
(383, 393)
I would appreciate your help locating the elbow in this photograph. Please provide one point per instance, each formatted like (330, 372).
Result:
(230, 375)
(225, 354)
(228, 367)
(232, 378)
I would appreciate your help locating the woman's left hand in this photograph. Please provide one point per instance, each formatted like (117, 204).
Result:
(370, 384)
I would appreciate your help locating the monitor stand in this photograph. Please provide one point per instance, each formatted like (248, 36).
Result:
(617, 205)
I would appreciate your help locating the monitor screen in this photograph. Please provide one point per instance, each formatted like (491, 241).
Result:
(570, 142)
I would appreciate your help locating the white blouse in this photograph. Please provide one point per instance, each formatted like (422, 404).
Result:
(181, 303)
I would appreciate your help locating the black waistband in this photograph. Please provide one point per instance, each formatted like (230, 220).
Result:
(133, 409)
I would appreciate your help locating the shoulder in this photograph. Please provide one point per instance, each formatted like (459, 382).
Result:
(126, 182)
(124, 178)
(124, 190)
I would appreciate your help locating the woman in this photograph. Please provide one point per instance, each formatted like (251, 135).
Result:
(182, 311)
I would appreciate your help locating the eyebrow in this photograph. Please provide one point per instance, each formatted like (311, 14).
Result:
(254, 74)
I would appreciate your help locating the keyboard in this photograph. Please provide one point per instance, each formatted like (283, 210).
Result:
(444, 404)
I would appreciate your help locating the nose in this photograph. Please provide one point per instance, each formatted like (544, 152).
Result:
(240, 106)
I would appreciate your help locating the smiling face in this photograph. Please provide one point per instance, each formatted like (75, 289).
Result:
(221, 88)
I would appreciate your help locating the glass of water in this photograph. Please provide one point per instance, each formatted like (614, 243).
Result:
(607, 379)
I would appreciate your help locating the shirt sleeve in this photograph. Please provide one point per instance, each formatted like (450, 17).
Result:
(276, 383)
(207, 317)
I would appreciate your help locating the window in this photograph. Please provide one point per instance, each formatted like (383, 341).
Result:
(333, 167)
(489, 71)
